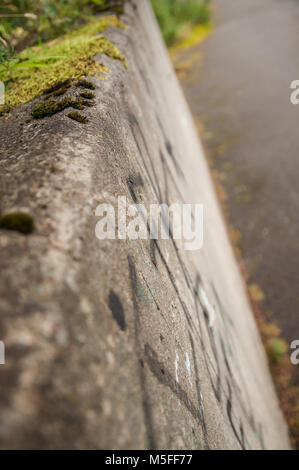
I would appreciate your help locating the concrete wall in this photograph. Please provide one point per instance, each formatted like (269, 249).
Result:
(108, 342)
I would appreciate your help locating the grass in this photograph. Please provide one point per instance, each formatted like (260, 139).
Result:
(69, 57)
(175, 16)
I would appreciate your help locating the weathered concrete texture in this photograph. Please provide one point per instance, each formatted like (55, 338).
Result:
(108, 343)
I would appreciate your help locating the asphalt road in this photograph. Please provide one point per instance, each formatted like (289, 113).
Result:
(239, 91)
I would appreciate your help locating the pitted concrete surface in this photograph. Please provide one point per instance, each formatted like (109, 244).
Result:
(108, 342)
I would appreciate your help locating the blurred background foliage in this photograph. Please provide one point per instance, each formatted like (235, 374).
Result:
(24, 23)
(174, 16)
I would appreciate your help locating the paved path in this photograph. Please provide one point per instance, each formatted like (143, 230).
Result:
(240, 92)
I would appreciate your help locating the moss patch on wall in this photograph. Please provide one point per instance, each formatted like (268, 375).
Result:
(18, 222)
(88, 95)
(50, 107)
(41, 68)
(77, 117)
(85, 84)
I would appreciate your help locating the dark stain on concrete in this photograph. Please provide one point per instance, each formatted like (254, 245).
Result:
(117, 310)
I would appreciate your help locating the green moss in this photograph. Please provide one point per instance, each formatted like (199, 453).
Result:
(58, 86)
(88, 95)
(18, 221)
(50, 107)
(77, 117)
(276, 348)
(58, 89)
(60, 92)
(4, 110)
(70, 57)
(88, 103)
(86, 84)
(117, 6)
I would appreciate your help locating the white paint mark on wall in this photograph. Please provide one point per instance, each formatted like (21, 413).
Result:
(209, 307)
(176, 365)
(188, 365)
(202, 408)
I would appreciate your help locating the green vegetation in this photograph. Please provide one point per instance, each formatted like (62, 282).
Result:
(50, 107)
(49, 42)
(88, 95)
(174, 16)
(276, 348)
(28, 22)
(18, 222)
(77, 117)
(86, 84)
(59, 89)
(70, 57)
(4, 54)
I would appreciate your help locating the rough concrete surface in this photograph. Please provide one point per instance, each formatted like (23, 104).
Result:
(108, 342)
